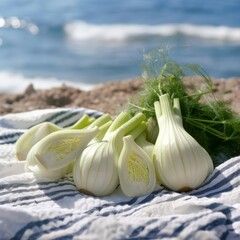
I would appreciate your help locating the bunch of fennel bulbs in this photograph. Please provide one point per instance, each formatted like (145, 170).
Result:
(116, 159)
(105, 153)
(49, 151)
(101, 153)
(181, 163)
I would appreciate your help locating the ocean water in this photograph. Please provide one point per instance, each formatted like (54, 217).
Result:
(85, 42)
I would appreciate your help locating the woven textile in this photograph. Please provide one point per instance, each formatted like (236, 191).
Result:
(33, 208)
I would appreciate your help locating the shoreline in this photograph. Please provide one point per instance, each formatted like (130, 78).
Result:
(110, 97)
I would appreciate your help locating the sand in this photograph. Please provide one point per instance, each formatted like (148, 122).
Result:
(110, 97)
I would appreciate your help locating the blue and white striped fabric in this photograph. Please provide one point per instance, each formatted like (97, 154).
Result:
(37, 209)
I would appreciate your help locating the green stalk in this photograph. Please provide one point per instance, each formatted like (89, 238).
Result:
(131, 124)
(208, 129)
(177, 107)
(117, 135)
(137, 131)
(101, 120)
(158, 110)
(103, 129)
(163, 107)
(122, 118)
(166, 106)
(125, 128)
(83, 122)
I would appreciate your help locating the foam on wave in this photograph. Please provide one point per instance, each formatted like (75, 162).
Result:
(83, 31)
(12, 82)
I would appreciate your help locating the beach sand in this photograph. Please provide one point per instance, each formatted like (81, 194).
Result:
(110, 97)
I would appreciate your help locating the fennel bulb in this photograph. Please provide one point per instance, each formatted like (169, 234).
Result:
(181, 163)
(55, 152)
(95, 172)
(31, 137)
(135, 169)
(39, 131)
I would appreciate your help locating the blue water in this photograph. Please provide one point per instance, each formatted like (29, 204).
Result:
(92, 41)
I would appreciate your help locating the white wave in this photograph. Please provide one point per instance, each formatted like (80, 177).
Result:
(83, 31)
(16, 83)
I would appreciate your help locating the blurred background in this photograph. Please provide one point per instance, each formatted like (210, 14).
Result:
(85, 42)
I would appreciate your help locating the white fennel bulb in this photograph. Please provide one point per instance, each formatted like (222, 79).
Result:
(181, 163)
(31, 137)
(95, 172)
(135, 169)
(41, 130)
(55, 152)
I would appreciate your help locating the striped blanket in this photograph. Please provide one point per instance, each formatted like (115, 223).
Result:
(40, 209)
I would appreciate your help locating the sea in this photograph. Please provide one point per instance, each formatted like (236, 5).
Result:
(86, 42)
